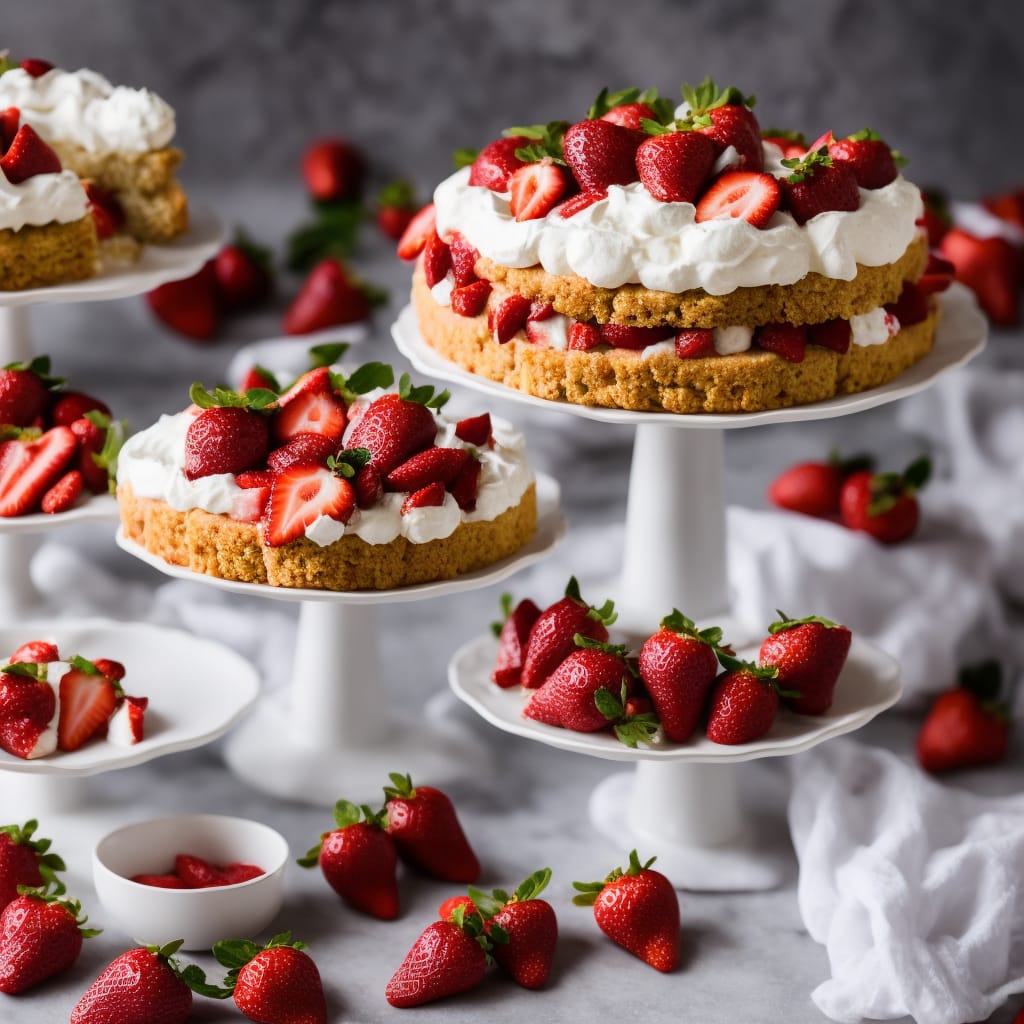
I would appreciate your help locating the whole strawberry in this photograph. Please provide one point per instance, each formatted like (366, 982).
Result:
(25, 392)
(396, 207)
(229, 435)
(638, 909)
(449, 957)
(529, 926)
(329, 296)
(552, 636)
(884, 505)
(744, 703)
(816, 184)
(872, 162)
(674, 164)
(426, 830)
(358, 859)
(143, 986)
(809, 654)
(25, 860)
(600, 153)
(40, 936)
(813, 487)
(28, 706)
(191, 307)
(512, 633)
(968, 725)
(333, 169)
(243, 271)
(726, 117)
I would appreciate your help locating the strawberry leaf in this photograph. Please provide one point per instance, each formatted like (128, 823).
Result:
(917, 474)
(327, 354)
(464, 158)
(84, 665)
(29, 669)
(369, 377)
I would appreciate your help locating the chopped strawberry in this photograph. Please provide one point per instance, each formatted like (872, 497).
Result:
(471, 299)
(437, 260)
(315, 410)
(988, 266)
(28, 156)
(415, 236)
(111, 669)
(63, 494)
(35, 652)
(29, 470)
(869, 159)
(628, 336)
(475, 430)
(196, 872)
(299, 496)
(106, 211)
(160, 881)
(252, 479)
(429, 496)
(225, 439)
(368, 485)
(600, 153)
(578, 202)
(128, 722)
(72, 405)
(427, 467)
(333, 169)
(789, 341)
(583, 336)
(87, 700)
(328, 297)
(35, 67)
(497, 162)
(303, 449)
(465, 487)
(749, 195)
(464, 257)
(674, 166)
(535, 189)
(817, 185)
(190, 306)
(507, 317)
(695, 343)
(832, 334)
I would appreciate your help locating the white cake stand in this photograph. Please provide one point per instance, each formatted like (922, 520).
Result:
(333, 732)
(675, 557)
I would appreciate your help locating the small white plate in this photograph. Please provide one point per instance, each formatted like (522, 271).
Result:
(97, 508)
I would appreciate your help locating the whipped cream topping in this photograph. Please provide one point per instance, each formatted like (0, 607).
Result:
(82, 107)
(41, 199)
(630, 237)
(152, 462)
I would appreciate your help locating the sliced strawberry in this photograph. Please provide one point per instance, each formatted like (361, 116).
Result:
(600, 153)
(415, 236)
(311, 412)
(628, 336)
(583, 336)
(535, 189)
(29, 470)
(35, 67)
(254, 479)
(437, 260)
(695, 343)
(578, 202)
(429, 496)
(35, 652)
(465, 487)
(471, 299)
(28, 156)
(507, 317)
(832, 334)
(749, 195)
(87, 700)
(63, 494)
(368, 485)
(128, 722)
(497, 162)
(789, 341)
(475, 430)
(304, 449)
(160, 881)
(673, 167)
(464, 257)
(299, 496)
(249, 505)
(427, 467)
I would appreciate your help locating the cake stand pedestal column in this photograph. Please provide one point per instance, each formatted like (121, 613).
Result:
(15, 335)
(18, 594)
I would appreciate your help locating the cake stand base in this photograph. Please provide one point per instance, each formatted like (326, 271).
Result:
(27, 796)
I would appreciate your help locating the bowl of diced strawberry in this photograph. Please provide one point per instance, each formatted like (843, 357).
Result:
(196, 877)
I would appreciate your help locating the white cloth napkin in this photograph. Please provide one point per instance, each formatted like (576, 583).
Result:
(915, 889)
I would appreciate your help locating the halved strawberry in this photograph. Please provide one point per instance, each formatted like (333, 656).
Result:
(789, 341)
(464, 257)
(87, 700)
(28, 156)
(583, 336)
(507, 316)
(426, 467)
(310, 406)
(749, 195)
(465, 487)
(475, 430)
(429, 496)
(578, 202)
(29, 469)
(695, 343)
(470, 299)
(303, 449)
(535, 189)
(628, 336)
(299, 496)
(437, 260)
(63, 494)
(35, 67)
(128, 722)
(415, 236)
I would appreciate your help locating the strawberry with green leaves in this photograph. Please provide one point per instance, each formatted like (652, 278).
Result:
(244, 273)
(230, 434)
(359, 860)
(87, 700)
(674, 162)
(26, 392)
(396, 207)
(638, 910)
(810, 654)
(28, 707)
(600, 153)
(813, 487)
(872, 162)
(884, 505)
(512, 632)
(26, 860)
(744, 702)
(727, 118)
(817, 184)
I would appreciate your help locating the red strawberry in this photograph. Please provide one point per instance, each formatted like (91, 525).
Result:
(63, 494)
(911, 307)
(426, 830)
(535, 189)
(359, 861)
(552, 638)
(674, 166)
(695, 343)
(967, 725)
(107, 212)
(600, 153)
(507, 317)
(867, 156)
(832, 334)
(197, 873)
(793, 144)
(464, 257)
(528, 925)
(142, 986)
(258, 377)
(988, 266)
(497, 162)
(678, 665)
(629, 115)
(25, 860)
(580, 201)
(254, 479)
(110, 668)
(160, 881)
(512, 633)
(636, 338)
(9, 118)
(235, 873)
(475, 430)
(302, 450)
(328, 297)
(788, 341)
(37, 652)
(243, 274)
(28, 705)
(368, 485)
(749, 195)
(92, 463)
(28, 156)
(311, 406)
(24, 393)
(448, 958)
(568, 697)
(396, 207)
(936, 219)
(333, 169)
(420, 228)
(466, 486)
(87, 700)
(471, 299)
(638, 910)
(884, 505)
(744, 702)
(190, 306)
(225, 439)
(394, 427)
(583, 336)
(430, 496)
(447, 907)
(938, 274)
(69, 406)
(427, 467)
(29, 470)
(809, 654)
(299, 496)
(132, 711)
(437, 260)
(816, 185)
(808, 487)
(725, 117)
(40, 936)
(35, 67)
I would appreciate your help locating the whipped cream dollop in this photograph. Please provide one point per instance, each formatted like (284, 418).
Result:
(152, 462)
(41, 199)
(82, 107)
(631, 237)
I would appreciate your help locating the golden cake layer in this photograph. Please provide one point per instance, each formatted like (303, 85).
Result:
(48, 254)
(217, 545)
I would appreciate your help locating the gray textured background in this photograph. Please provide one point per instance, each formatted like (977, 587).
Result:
(411, 81)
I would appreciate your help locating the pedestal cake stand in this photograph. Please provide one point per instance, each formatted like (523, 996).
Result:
(683, 804)
(333, 732)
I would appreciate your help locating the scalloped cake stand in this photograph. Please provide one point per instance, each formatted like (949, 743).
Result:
(674, 556)
(333, 732)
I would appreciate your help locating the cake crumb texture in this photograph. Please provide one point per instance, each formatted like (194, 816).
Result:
(48, 254)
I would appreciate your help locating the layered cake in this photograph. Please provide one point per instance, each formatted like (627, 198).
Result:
(661, 257)
(116, 137)
(337, 483)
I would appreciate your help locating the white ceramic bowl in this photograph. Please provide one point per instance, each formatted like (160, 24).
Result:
(153, 915)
